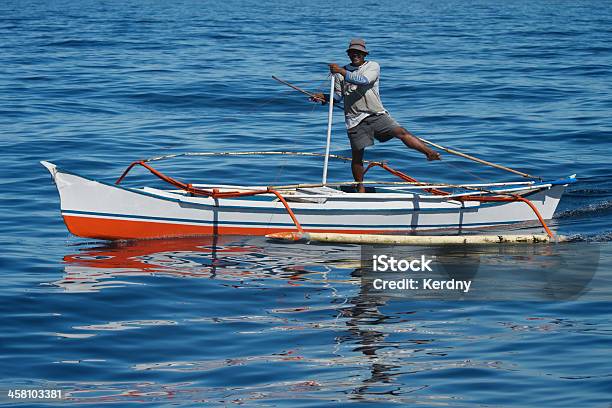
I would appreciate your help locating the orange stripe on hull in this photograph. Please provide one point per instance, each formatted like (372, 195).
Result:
(104, 228)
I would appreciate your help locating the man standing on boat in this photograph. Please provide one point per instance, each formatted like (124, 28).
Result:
(366, 118)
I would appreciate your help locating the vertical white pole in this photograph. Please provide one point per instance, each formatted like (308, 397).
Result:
(329, 127)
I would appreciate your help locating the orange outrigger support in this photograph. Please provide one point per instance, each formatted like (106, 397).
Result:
(215, 193)
(512, 197)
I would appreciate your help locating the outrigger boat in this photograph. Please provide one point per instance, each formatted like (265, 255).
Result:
(319, 211)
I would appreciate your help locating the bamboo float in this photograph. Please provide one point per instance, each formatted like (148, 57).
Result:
(361, 239)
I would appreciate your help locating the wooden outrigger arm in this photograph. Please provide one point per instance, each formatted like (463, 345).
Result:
(476, 159)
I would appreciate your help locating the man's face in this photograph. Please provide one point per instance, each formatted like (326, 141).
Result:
(357, 57)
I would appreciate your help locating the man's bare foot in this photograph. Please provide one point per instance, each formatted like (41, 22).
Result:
(360, 188)
(431, 155)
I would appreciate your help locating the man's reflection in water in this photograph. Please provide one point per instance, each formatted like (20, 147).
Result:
(362, 318)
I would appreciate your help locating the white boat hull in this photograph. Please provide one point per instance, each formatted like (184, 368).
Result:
(100, 210)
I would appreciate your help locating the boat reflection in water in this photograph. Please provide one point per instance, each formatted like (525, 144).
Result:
(496, 272)
(95, 268)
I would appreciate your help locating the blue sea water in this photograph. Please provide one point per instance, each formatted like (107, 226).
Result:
(94, 85)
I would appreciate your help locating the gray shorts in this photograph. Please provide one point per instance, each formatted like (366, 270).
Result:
(377, 127)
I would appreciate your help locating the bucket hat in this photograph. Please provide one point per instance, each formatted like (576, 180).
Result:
(357, 44)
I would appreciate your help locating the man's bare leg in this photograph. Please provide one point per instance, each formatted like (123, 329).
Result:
(357, 168)
(412, 142)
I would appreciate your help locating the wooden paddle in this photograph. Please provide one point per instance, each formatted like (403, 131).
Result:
(310, 94)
